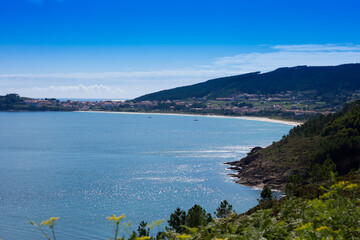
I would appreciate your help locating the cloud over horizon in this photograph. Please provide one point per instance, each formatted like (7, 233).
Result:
(290, 56)
(127, 85)
(318, 47)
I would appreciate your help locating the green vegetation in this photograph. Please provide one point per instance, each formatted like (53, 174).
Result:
(326, 84)
(304, 163)
(311, 150)
(266, 195)
(13, 102)
(224, 210)
(50, 224)
(338, 138)
(316, 205)
(297, 93)
(332, 211)
(177, 220)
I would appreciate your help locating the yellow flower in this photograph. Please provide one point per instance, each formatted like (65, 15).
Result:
(183, 236)
(350, 187)
(143, 238)
(305, 226)
(158, 222)
(340, 184)
(321, 228)
(115, 218)
(45, 222)
(49, 222)
(325, 195)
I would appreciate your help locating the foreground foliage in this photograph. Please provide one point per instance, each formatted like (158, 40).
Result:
(331, 212)
(333, 215)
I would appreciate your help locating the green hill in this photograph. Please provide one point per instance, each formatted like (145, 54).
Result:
(328, 82)
(13, 102)
(308, 150)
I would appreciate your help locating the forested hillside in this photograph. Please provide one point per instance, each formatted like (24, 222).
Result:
(13, 102)
(326, 143)
(325, 82)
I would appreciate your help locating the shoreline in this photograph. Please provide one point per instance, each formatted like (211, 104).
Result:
(236, 179)
(250, 118)
(259, 186)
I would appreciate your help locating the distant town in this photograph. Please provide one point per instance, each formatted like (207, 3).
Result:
(284, 105)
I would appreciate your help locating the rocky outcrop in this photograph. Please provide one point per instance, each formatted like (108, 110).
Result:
(258, 169)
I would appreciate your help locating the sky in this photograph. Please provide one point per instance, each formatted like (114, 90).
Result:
(121, 49)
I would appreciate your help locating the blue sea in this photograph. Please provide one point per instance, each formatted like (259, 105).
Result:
(83, 167)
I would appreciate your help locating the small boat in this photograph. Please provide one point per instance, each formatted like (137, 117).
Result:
(196, 120)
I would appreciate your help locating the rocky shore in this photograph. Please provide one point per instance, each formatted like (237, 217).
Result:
(253, 172)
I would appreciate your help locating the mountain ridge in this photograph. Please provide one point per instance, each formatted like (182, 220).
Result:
(322, 79)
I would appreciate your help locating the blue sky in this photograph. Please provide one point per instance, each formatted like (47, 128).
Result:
(126, 48)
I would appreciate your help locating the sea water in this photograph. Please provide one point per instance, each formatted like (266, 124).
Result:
(83, 167)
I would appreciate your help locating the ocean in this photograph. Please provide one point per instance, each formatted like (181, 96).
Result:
(85, 166)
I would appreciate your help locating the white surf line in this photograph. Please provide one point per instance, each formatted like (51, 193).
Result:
(261, 119)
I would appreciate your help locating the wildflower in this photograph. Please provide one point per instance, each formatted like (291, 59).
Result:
(350, 187)
(321, 228)
(143, 238)
(158, 222)
(45, 222)
(116, 219)
(50, 222)
(339, 184)
(325, 195)
(305, 226)
(151, 226)
(183, 236)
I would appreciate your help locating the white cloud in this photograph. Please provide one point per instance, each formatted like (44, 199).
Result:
(69, 91)
(75, 88)
(161, 74)
(291, 55)
(133, 84)
(317, 47)
(83, 85)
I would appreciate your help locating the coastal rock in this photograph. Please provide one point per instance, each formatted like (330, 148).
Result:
(268, 167)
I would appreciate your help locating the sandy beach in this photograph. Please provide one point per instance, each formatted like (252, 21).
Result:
(262, 119)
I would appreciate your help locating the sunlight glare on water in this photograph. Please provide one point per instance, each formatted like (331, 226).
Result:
(83, 167)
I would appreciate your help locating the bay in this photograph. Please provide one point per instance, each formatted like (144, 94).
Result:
(83, 166)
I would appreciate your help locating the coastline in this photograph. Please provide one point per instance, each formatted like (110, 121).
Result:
(261, 119)
(244, 181)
